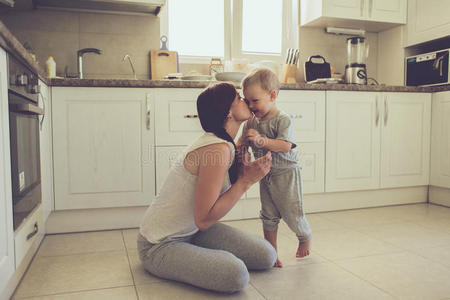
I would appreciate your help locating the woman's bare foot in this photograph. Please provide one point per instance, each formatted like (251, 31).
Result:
(278, 264)
(304, 248)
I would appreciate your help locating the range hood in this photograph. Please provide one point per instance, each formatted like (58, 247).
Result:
(113, 6)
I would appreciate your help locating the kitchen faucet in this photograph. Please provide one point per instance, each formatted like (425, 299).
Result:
(80, 54)
(131, 64)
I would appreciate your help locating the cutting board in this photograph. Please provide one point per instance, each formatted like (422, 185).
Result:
(162, 62)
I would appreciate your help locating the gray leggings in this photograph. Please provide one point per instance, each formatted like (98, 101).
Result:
(217, 259)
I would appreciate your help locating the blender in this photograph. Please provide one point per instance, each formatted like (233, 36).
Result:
(357, 52)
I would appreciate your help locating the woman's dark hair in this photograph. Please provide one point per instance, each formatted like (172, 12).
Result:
(213, 106)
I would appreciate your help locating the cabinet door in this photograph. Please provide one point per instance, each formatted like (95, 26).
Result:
(405, 141)
(103, 147)
(307, 110)
(312, 161)
(177, 122)
(427, 20)
(352, 141)
(440, 144)
(346, 9)
(392, 11)
(46, 152)
(6, 222)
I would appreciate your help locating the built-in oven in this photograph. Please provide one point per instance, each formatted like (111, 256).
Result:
(24, 128)
(427, 69)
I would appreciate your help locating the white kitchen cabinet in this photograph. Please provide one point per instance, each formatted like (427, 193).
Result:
(177, 119)
(103, 141)
(307, 111)
(46, 149)
(352, 141)
(372, 15)
(405, 139)
(312, 161)
(440, 141)
(6, 212)
(377, 140)
(427, 20)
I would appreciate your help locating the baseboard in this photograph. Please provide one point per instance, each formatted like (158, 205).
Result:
(21, 269)
(118, 218)
(438, 195)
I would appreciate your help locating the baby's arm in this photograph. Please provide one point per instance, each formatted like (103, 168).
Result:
(275, 145)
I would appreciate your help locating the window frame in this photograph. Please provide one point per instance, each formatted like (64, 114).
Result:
(233, 33)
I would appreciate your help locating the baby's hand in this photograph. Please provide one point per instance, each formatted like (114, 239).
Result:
(254, 136)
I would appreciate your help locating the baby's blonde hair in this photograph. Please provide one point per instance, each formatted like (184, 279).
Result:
(266, 78)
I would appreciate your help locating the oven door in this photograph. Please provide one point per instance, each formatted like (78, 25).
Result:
(428, 71)
(25, 156)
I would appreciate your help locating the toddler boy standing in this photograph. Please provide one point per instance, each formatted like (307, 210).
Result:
(281, 189)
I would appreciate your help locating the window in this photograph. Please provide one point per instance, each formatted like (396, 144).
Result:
(252, 29)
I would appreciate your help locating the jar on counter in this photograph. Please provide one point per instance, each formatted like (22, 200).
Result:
(50, 66)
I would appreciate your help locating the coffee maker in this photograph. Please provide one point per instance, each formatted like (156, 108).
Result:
(357, 52)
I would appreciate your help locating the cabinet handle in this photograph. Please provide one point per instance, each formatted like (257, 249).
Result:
(148, 113)
(33, 233)
(377, 118)
(362, 7)
(370, 8)
(190, 116)
(298, 116)
(41, 123)
(386, 111)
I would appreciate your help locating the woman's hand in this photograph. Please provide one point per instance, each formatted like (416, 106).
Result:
(254, 171)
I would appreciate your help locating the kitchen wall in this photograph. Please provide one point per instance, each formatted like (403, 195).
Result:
(62, 33)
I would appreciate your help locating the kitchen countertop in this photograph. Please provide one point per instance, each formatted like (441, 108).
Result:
(201, 84)
(10, 43)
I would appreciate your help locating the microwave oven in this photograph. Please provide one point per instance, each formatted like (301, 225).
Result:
(428, 69)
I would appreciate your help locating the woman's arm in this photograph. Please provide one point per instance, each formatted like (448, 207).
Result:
(210, 206)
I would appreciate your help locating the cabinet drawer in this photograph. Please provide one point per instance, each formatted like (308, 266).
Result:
(307, 110)
(176, 120)
(31, 230)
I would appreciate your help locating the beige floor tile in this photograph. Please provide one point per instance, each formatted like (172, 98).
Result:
(314, 281)
(174, 290)
(404, 275)
(416, 212)
(73, 273)
(362, 217)
(440, 255)
(338, 244)
(77, 243)
(130, 238)
(407, 235)
(438, 224)
(140, 275)
(120, 293)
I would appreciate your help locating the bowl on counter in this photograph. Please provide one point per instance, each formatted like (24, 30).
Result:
(230, 76)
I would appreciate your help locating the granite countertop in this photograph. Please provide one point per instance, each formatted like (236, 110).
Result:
(201, 84)
(10, 43)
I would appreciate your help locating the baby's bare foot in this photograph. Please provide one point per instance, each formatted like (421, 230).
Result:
(304, 248)
(278, 264)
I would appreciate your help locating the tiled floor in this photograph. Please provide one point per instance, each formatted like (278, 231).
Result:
(398, 252)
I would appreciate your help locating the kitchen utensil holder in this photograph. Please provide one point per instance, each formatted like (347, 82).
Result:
(288, 73)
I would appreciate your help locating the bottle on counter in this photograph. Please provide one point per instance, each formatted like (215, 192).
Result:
(50, 67)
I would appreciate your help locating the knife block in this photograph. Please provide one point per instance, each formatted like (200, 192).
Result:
(288, 73)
